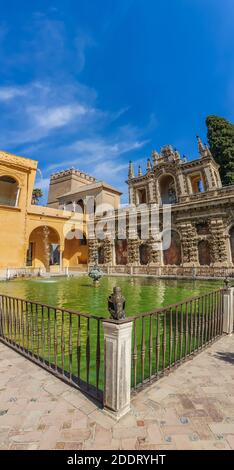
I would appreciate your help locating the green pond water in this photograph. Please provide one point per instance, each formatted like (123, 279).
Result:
(141, 293)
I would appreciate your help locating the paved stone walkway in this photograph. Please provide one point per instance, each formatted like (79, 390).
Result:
(192, 408)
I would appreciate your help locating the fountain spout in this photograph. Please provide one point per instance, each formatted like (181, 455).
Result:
(95, 273)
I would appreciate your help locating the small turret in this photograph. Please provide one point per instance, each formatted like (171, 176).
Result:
(149, 165)
(201, 147)
(139, 170)
(208, 152)
(155, 157)
(130, 170)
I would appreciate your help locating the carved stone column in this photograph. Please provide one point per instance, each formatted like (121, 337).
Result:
(218, 243)
(189, 244)
(108, 251)
(92, 250)
(154, 252)
(157, 193)
(151, 191)
(133, 252)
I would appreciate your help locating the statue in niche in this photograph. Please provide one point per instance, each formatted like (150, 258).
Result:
(171, 193)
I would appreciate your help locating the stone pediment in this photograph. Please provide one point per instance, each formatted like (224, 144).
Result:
(168, 154)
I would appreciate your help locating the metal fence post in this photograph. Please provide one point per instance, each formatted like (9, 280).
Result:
(117, 359)
(228, 307)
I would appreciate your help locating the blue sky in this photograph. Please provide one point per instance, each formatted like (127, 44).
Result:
(94, 83)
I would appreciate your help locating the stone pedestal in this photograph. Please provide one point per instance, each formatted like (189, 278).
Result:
(117, 340)
(228, 307)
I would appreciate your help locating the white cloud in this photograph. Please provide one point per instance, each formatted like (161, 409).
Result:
(83, 42)
(92, 150)
(32, 112)
(9, 93)
(56, 118)
(51, 118)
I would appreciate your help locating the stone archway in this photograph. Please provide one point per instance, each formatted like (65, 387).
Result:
(173, 254)
(44, 248)
(204, 254)
(9, 191)
(75, 249)
(167, 188)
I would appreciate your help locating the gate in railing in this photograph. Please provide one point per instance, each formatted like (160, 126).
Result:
(164, 338)
(69, 344)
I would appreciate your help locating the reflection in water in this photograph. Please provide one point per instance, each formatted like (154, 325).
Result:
(141, 293)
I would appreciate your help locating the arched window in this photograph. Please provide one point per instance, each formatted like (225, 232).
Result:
(80, 206)
(167, 189)
(204, 255)
(8, 191)
(144, 254)
(44, 247)
(142, 197)
(231, 233)
(197, 183)
(172, 255)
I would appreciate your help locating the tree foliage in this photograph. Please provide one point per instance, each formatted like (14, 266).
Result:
(220, 134)
(36, 195)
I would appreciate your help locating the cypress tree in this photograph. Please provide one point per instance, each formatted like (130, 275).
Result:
(220, 134)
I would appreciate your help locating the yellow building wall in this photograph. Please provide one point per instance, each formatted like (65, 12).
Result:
(75, 253)
(18, 224)
(14, 219)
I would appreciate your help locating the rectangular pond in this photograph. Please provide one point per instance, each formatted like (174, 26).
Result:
(77, 293)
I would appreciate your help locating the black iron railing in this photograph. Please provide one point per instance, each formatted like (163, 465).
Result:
(164, 338)
(69, 344)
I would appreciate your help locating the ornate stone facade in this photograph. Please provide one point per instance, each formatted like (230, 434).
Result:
(202, 214)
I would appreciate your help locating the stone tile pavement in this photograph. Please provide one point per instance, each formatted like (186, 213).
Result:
(192, 408)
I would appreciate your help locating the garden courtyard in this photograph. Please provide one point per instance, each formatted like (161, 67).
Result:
(190, 408)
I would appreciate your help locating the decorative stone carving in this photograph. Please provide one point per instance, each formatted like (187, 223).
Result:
(154, 254)
(133, 252)
(92, 250)
(218, 242)
(189, 243)
(107, 251)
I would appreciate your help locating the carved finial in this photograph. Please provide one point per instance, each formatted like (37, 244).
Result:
(201, 147)
(130, 170)
(177, 154)
(139, 170)
(208, 152)
(116, 304)
(149, 166)
(155, 157)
